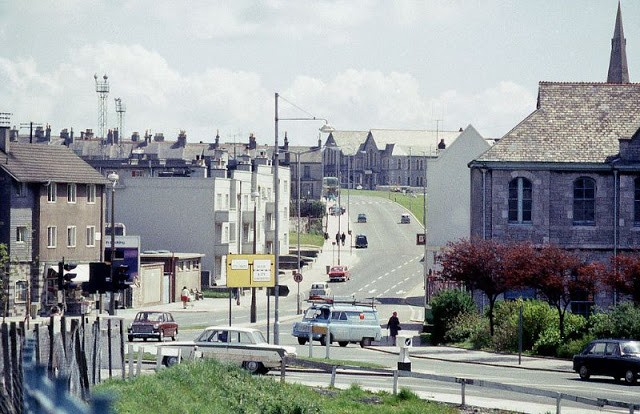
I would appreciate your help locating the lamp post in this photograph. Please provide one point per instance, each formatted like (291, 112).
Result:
(113, 177)
(276, 184)
(255, 195)
(424, 222)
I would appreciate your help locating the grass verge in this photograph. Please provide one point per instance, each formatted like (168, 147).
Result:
(208, 386)
(413, 202)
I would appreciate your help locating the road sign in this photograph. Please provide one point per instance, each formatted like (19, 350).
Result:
(282, 291)
(420, 239)
(297, 277)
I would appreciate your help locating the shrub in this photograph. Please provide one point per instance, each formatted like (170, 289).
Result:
(463, 327)
(570, 348)
(548, 342)
(445, 307)
(622, 321)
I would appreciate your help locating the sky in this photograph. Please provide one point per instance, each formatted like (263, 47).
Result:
(207, 66)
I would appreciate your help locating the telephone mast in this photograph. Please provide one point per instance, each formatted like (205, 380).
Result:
(102, 88)
(120, 110)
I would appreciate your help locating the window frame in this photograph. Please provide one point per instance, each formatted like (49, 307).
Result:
(52, 193)
(20, 292)
(520, 206)
(584, 207)
(21, 234)
(72, 193)
(90, 234)
(52, 237)
(91, 193)
(72, 233)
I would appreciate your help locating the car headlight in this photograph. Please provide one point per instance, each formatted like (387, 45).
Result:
(156, 326)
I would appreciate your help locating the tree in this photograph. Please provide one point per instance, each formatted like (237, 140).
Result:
(624, 275)
(561, 277)
(480, 264)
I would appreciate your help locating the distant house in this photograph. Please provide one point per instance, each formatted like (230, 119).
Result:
(52, 209)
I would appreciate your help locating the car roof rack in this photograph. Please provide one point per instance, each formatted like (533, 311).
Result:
(343, 300)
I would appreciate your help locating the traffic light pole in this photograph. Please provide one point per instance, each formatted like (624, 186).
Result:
(112, 294)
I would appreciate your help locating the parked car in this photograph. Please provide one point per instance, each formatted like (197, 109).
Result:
(245, 346)
(339, 273)
(617, 358)
(346, 322)
(361, 241)
(362, 218)
(319, 291)
(153, 324)
(405, 219)
(336, 210)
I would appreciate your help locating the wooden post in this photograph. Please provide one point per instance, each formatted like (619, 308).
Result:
(395, 382)
(121, 322)
(6, 359)
(333, 377)
(130, 352)
(51, 345)
(109, 347)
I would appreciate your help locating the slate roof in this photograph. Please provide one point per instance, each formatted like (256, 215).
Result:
(42, 163)
(573, 123)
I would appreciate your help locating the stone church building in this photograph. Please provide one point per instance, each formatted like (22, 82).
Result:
(569, 173)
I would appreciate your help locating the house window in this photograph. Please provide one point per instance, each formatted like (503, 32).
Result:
(584, 201)
(21, 189)
(21, 234)
(52, 193)
(21, 291)
(307, 172)
(71, 193)
(91, 193)
(52, 236)
(91, 236)
(71, 236)
(520, 200)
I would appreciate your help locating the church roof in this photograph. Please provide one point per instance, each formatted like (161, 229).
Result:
(573, 123)
(618, 68)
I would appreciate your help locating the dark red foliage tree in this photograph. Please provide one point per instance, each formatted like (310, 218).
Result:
(561, 277)
(480, 265)
(624, 275)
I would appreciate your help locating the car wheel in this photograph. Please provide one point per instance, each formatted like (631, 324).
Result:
(323, 340)
(144, 339)
(254, 367)
(630, 377)
(170, 361)
(161, 336)
(343, 343)
(302, 341)
(365, 342)
(130, 338)
(584, 372)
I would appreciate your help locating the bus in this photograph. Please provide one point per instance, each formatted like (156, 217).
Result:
(330, 188)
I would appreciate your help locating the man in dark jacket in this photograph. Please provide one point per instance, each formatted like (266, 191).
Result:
(393, 326)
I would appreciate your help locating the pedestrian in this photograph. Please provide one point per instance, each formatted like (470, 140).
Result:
(338, 238)
(184, 296)
(394, 326)
(343, 238)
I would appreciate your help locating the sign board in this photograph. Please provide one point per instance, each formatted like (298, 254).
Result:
(421, 239)
(127, 253)
(282, 292)
(250, 270)
(297, 277)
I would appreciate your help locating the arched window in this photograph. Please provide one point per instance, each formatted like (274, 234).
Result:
(636, 202)
(584, 201)
(520, 200)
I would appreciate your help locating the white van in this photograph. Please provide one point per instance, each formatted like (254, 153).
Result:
(344, 322)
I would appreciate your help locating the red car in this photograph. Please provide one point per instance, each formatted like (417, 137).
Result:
(339, 273)
(153, 324)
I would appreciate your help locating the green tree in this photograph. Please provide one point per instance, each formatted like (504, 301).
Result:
(445, 307)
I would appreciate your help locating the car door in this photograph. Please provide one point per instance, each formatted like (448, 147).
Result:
(595, 359)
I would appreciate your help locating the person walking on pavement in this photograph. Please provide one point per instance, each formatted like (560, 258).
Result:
(184, 296)
(393, 326)
(343, 238)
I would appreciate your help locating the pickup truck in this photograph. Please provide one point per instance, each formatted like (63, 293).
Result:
(339, 273)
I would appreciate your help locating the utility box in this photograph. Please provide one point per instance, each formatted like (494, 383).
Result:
(404, 342)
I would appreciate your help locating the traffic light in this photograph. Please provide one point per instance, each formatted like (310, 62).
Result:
(99, 276)
(65, 280)
(120, 278)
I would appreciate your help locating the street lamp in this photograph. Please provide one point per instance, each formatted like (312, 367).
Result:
(424, 223)
(113, 177)
(276, 184)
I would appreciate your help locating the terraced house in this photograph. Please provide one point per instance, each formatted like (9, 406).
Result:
(51, 207)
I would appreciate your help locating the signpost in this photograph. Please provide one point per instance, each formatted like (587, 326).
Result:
(297, 277)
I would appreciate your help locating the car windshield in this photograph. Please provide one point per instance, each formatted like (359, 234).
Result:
(259, 338)
(316, 314)
(631, 347)
(149, 317)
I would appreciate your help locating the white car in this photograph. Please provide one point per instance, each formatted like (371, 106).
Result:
(245, 346)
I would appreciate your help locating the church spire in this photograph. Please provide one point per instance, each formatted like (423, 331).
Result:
(618, 69)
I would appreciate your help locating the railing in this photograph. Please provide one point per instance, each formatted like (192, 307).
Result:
(558, 397)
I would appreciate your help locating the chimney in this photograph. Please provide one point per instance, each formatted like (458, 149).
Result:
(182, 139)
(39, 134)
(252, 141)
(286, 141)
(110, 137)
(319, 143)
(442, 145)
(116, 136)
(135, 137)
(158, 137)
(4, 138)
